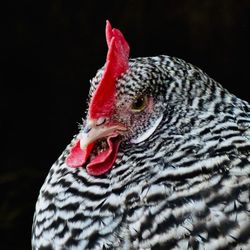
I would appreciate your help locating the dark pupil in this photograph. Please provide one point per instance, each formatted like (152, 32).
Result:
(138, 103)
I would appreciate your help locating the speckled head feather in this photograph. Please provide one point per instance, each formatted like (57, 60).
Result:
(102, 102)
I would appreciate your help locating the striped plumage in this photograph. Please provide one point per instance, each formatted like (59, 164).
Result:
(187, 186)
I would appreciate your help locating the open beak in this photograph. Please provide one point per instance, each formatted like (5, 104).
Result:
(98, 129)
(100, 161)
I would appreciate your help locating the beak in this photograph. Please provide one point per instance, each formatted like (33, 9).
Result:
(97, 129)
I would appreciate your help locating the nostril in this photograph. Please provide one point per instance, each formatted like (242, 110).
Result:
(86, 129)
(94, 123)
(100, 121)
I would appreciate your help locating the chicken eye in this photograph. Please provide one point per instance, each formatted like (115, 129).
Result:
(139, 104)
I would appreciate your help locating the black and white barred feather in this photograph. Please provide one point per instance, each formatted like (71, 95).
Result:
(186, 187)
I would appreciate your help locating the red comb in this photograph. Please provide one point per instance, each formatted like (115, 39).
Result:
(102, 102)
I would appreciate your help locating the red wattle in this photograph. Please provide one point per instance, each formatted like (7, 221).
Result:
(103, 162)
(77, 157)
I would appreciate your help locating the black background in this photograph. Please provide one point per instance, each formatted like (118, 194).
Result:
(52, 49)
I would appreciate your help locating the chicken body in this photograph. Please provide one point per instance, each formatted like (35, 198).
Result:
(181, 179)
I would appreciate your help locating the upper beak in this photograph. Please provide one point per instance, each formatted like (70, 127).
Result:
(97, 129)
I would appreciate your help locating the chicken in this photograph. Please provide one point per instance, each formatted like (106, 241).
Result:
(162, 161)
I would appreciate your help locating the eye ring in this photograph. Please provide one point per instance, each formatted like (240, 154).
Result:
(139, 104)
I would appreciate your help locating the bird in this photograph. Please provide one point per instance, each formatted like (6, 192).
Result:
(161, 161)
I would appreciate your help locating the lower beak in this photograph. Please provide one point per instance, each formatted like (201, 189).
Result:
(92, 132)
